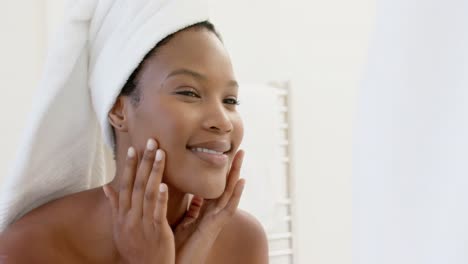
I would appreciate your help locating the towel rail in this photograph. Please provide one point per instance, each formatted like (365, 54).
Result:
(279, 253)
(282, 239)
(280, 236)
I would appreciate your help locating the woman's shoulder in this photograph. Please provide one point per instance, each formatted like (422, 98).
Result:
(46, 230)
(245, 226)
(23, 243)
(245, 236)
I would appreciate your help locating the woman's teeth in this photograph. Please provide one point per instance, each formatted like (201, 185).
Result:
(207, 151)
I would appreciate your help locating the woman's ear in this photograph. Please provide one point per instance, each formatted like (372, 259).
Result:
(118, 115)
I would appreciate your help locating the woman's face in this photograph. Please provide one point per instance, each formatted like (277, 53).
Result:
(188, 104)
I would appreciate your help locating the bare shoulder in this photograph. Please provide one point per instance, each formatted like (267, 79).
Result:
(23, 244)
(248, 230)
(46, 234)
(243, 240)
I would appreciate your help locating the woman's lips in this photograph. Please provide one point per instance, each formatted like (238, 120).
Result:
(212, 152)
(216, 160)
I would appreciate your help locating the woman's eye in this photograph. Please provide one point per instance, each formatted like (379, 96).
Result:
(231, 101)
(188, 93)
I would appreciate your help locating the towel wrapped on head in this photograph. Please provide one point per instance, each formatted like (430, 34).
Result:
(66, 147)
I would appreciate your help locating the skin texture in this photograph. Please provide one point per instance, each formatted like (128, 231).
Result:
(187, 94)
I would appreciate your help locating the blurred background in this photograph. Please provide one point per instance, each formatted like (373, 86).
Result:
(371, 120)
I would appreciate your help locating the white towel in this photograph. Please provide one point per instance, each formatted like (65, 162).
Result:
(66, 145)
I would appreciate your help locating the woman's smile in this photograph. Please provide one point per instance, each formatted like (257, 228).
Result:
(215, 153)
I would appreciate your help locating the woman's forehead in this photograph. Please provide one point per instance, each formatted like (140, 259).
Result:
(191, 52)
(193, 44)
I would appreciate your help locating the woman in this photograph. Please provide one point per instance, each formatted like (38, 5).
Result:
(176, 132)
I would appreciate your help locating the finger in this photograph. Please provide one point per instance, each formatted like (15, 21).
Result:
(233, 203)
(208, 206)
(160, 210)
(194, 211)
(126, 183)
(233, 177)
(142, 175)
(112, 196)
(195, 207)
(152, 188)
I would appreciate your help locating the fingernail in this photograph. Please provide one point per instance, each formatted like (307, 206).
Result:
(241, 158)
(131, 152)
(104, 188)
(151, 145)
(159, 155)
(162, 187)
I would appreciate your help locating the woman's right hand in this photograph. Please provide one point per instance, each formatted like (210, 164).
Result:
(142, 234)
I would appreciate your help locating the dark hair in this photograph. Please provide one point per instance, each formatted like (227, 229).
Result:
(131, 86)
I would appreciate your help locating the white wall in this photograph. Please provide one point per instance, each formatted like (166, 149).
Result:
(332, 39)
(318, 45)
(410, 199)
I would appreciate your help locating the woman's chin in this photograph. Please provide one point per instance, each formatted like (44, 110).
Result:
(211, 186)
(213, 195)
(210, 192)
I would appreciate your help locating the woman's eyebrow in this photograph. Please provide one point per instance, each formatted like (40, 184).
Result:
(233, 84)
(184, 71)
(197, 75)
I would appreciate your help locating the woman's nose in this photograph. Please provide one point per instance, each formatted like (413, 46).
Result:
(217, 119)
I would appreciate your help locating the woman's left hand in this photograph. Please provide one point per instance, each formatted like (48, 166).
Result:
(204, 220)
